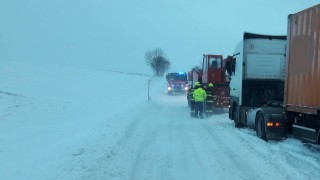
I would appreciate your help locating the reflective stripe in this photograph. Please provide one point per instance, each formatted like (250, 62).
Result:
(193, 111)
(210, 101)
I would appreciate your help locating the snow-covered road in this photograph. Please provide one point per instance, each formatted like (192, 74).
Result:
(163, 142)
(76, 123)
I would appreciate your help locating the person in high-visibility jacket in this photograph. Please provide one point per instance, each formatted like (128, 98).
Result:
(210, 99)
(199, 96)
(191, 99)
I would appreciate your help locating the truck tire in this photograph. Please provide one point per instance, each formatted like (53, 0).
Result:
(236, 117)
(318, 137)
(260, 127)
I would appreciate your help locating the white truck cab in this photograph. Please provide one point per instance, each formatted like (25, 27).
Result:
(257, 73)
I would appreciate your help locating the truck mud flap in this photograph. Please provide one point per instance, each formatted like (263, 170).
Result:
(275, 132)
(305, 134)
(279, 134)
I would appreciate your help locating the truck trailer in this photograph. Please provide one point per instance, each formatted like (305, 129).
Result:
(302, 83)
(257, 72)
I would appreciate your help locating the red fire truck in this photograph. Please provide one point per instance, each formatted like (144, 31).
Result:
(177, 82)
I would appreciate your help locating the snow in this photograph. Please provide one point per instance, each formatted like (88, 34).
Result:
(64, 122)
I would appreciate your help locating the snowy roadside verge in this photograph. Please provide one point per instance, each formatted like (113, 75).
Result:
(60, 115)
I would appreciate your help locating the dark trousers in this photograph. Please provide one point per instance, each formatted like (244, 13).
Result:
(192, 112)
(198, 107)
(209, 107)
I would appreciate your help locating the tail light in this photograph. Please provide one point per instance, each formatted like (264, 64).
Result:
(269, 124)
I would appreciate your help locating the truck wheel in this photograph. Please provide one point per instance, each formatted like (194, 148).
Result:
(318, 137)
(260, 127)
(236, 117)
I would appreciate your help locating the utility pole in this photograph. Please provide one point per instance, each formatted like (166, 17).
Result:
(149, 89)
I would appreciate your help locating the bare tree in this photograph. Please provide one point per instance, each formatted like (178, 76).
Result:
(158, 62)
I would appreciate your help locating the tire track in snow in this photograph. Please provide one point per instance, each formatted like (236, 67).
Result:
(262, 156)
(116, 163)
(144, 160)
(157, 145)
(216, 162)
(273, 156)
(163, 142)
(173, 148)
(265, 161)
(269, 154)
(186, 153)
(238, 161)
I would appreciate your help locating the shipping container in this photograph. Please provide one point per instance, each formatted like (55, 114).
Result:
(302, 84)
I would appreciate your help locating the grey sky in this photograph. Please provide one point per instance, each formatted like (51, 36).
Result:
(114, 34)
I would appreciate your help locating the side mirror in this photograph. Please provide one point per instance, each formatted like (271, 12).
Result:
(229, 67)
(233, 65)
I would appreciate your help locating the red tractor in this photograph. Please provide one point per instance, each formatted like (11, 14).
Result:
(214, 71)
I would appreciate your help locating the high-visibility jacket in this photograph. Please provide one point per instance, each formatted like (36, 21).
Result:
(191, 91)
(199, 95)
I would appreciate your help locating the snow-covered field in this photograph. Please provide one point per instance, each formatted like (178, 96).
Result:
(77, 123)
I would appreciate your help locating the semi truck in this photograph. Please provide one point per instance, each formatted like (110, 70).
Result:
(214, 71)
(257, 72)
(275, 80)
(302, 82)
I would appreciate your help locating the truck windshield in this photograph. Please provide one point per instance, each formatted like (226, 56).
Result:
(177, 77)
(215, 62)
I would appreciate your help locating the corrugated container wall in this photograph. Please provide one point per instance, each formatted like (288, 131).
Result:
(303, 62)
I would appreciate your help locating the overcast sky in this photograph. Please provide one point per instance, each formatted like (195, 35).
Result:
(115, 34)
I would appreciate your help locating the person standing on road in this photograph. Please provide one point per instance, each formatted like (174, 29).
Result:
(191, 99)
(199, 96)
(209, 99)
